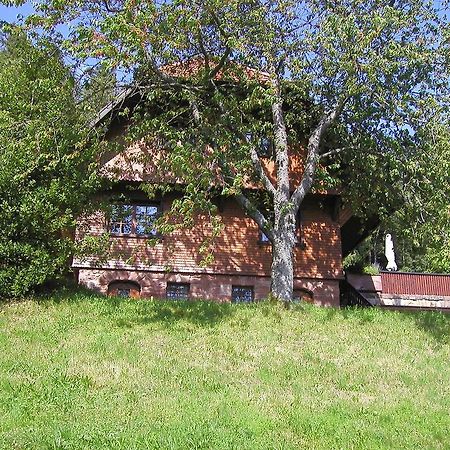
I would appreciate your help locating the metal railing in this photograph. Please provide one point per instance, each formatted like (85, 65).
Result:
(349, 296)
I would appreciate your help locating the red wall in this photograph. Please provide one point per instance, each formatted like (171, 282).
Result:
(236, 250)
(415, 283)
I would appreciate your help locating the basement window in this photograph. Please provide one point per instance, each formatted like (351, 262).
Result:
(302, 295)
(242, 294)
(124, 289)
(123, 292)
(177, 291)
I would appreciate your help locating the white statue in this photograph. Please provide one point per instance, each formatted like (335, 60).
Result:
(389, 252)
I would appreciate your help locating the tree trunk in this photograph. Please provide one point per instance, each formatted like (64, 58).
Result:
(282, 267)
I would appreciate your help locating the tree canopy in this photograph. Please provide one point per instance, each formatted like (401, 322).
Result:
(421, 223)
(347, 84)
(47, 169)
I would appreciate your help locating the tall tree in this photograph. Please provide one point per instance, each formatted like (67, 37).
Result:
(297, 71)
(47, 169)
(421, 224)
(97, 89)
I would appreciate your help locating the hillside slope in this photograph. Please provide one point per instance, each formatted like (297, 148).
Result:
(80, 371)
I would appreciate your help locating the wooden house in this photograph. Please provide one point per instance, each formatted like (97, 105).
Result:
(141, 263)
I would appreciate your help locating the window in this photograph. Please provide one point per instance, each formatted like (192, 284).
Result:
(138, 220)
(125, 289)
(145, 219)
(263, 239)
(299, 242)
(264, 144)
(177, 291)
(302, 295)
(265, 148)
(242, 294)
(121, 292)
(121, 219)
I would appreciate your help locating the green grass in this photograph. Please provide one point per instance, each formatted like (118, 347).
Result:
(84, 372)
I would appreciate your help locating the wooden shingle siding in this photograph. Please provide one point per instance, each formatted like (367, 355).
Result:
(415, 284)
(237, 250)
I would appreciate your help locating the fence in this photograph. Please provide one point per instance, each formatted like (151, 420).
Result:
(408, 283)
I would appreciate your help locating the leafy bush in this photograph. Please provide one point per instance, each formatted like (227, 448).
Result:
(47, 164)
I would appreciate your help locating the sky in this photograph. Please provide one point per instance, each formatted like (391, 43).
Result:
(15, 14)
(11, 13)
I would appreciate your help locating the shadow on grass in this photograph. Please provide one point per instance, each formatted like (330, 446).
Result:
(69, 294)
(434, 323)
(167, 313)
(198, 312)
(128, 312)
(64, 292)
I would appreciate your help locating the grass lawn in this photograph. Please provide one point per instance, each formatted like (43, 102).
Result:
(84, 372)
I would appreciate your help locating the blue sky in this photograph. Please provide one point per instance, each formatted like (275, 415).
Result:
(10, 13)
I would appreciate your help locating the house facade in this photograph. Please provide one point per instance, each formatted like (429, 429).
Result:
(140, 263)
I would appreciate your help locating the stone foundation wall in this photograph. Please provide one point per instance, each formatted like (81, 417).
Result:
(205, 286)
(415, 301)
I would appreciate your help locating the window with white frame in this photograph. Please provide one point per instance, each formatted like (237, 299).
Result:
(137, 220)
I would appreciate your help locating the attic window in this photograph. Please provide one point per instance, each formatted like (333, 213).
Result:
(121, 219)
(137, 220)
(263, 145)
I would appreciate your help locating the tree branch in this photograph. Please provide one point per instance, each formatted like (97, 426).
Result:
(281, 145)
(256, 215)
(173, 84)
(246, 204)
(220, 64)
(313, 153)
(110, 9)
(334, 152)
(256, 161)
(257, 165)
(225, 36)
(216, 20)
(203, 49)
(195, 112)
